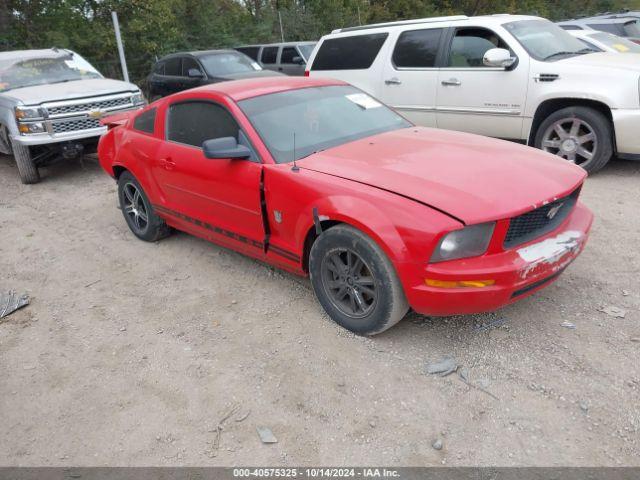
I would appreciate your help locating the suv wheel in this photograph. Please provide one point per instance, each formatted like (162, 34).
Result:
(26, 168)
(580, 135)
(138, 212)
(355, 282)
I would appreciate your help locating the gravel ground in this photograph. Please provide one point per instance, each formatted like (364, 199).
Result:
(133, 353)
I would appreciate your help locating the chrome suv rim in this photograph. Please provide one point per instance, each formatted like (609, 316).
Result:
(134, 207)
(349, 283)
(572, 139)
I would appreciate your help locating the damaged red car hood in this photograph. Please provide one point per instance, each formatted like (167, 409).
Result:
(472, 178)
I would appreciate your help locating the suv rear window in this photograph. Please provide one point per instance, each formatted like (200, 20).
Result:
(417, 48)
(269, 54)
(357, 52)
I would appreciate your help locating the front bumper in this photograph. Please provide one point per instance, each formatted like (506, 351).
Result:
(626, 123)
(518, 272)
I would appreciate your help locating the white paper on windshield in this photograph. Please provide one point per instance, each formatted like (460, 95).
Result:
(363, 100)
(256, 66)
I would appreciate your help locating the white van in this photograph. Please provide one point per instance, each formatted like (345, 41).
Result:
(508, 76)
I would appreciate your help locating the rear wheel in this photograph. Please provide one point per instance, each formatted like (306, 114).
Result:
(138, 212)
(580, 135)
(355, 282)
(26, 167)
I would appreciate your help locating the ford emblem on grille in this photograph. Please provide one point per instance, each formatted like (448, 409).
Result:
(554, 211)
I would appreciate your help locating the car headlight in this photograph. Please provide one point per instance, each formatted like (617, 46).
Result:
(470, 241)
(32, 127)
(27, 113)
(138, 98)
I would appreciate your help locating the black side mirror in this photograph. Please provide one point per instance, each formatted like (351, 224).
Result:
(194, 73)
(224, 147)
(298, 60)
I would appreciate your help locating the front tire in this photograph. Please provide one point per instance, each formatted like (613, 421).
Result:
(581, 135)
(26, 168)
(355, 281)
(138, 212)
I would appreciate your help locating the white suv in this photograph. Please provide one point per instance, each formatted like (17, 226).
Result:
(508, 76)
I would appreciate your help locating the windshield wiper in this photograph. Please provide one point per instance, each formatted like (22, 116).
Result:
(582, 51)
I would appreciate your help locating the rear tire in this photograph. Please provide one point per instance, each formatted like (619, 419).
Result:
(355, 281)
(138, 212)
(579, 134)
(26, 168)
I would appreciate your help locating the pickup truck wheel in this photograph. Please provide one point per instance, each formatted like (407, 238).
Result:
(355, 282)
(138, 212)
(580, 135)
(26, 168)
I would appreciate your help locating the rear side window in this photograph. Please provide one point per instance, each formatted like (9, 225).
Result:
(251, 52)
(192, 123)
(269, 54)
(288, 54)
(349, 53)
(159, 68)
(173, 66)
(417, 48)
(145, 122)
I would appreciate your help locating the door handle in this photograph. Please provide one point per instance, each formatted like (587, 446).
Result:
(452, 82)
(167, 163)
(279, 69)
(392, 81)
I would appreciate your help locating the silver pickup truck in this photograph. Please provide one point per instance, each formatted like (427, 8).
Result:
(51, 102)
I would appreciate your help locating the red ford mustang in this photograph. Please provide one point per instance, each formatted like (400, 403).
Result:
(318, 178)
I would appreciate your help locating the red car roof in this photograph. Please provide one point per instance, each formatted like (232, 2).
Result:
(248, 88)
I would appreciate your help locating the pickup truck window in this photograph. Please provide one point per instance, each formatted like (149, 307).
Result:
(470, 44)
(417, 48)
(46, 70)
(545, 41)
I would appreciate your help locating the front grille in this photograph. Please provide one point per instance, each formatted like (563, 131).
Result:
(74, 125)
(537, 222)
(85, 107)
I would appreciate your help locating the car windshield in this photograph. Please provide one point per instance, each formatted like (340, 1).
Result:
(45, 70)
(546, 41)
(306, 50)
(317, 118)
(616, 43)
(227, 63)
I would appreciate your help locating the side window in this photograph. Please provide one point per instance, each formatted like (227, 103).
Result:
(173, 66)
(187, 64)
(288, 53)
(417, 48)
(192, 123)
(470, 44)
(145, 122)
(251, 52)
(159, 68)
(269, 54)
(357, 52)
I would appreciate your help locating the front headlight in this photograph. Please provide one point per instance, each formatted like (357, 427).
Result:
(33, 127)
(138, 98)
(27, 113)
(470, 241)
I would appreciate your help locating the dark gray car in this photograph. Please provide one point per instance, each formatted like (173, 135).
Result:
(181, 71)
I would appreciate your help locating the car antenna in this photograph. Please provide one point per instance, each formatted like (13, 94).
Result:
(295, 167)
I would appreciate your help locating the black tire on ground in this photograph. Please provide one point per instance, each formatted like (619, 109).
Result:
(138, 211)
(374, 287)
(596, 121)
(26, 168)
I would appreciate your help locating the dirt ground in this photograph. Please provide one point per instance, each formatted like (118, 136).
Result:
(133, 353)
